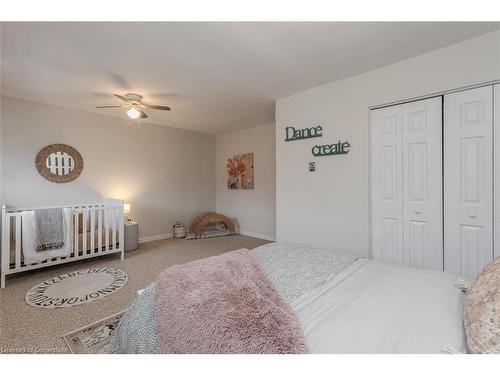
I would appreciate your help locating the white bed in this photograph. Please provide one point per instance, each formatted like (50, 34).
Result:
(372, 307)
(344, 304)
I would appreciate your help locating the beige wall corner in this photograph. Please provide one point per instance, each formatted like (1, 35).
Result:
(254, 209)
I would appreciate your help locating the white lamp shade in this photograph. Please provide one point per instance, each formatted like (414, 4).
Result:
(126, 208)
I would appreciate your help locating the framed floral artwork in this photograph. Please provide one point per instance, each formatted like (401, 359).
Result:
(240, 171)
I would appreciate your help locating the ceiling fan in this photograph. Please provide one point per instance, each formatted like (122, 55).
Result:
(135, 106)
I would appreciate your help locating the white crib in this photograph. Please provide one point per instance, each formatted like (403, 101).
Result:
(97, 230)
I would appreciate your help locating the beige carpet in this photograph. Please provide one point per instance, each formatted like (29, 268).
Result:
(27, 329)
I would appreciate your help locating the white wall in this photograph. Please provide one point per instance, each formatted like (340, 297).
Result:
(166, 174)
(330, 207)
(253, 209)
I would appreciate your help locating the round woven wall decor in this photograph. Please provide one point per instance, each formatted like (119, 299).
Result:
(44, 170)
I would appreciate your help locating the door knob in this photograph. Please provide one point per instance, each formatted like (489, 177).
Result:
(472, 215)
(418, 212)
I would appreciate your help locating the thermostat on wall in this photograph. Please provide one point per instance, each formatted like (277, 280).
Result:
(312, 166)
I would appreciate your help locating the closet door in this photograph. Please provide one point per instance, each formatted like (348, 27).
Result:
(387, 181)
(407, 184)
(468, 215)
(422, 184)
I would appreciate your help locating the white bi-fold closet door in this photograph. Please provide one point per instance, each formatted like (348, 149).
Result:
(468, 181)
(435, 178)
(407, 184)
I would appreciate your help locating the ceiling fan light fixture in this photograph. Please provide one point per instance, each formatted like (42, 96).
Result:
(135, 106)
(133, 113)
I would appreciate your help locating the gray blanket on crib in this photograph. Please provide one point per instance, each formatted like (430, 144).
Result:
(49, 225)
(293, 269)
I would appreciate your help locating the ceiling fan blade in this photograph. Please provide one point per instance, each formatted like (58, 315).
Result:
(111, 106)
(121, 97)
(161, 107)
(143, 114)
(162, 94)
(102, 94)
(122, 81)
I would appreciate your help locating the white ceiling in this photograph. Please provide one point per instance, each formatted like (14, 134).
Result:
(216, 77)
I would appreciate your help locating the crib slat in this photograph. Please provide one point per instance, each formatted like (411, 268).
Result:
(6, 244)
(99, 230)
(114, 228)
(18, 241)
(92, 231)
(106, 228)
(121, 234)
(77, 233)
(84, 232)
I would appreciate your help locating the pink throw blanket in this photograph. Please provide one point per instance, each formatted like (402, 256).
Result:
(224, 304)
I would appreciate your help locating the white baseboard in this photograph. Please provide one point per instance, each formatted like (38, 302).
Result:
(156, 238)
(171, 235)
(257, 235)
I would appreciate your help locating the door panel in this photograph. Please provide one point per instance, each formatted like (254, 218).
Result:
(406, 184)
(422, 182)
(390, 171)
(417, 172)
(468, 215)
(418, 249)
(387, 207)
(390, 249)
(472, 168)
(471, 258)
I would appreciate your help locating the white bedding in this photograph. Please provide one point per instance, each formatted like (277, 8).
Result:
(372, 307)
(344, 305)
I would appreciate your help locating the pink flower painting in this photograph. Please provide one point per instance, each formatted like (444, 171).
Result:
(240, 171)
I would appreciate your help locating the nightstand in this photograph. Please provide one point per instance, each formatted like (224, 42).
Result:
(131, 235)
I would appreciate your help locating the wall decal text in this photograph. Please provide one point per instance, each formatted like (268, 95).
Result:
(333, 149)
(292, 134)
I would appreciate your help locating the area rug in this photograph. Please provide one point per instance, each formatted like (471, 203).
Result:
(76, 288)
(93, 338)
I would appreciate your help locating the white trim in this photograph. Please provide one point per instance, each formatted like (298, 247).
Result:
(370, 162)
(156, 237)
(257, 235)
(171, 235)
(496, 170)
(436, 94)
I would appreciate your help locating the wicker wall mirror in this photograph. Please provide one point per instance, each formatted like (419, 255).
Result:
(59, 163)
